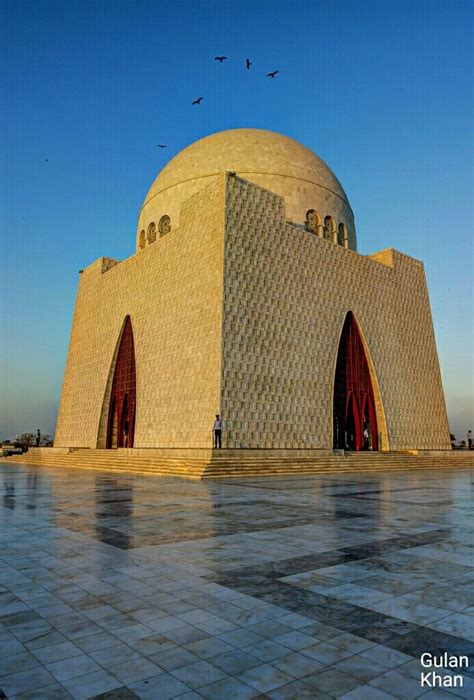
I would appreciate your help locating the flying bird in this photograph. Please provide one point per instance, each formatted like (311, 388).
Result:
(46, 160)
(273, 74)
(160, 145)
(220, 58)
(198, 101)
(248, 63)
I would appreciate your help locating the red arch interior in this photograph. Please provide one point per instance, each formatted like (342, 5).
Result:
(123, 398)
(355, 421)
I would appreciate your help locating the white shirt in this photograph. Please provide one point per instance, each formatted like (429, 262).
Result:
(217, 424)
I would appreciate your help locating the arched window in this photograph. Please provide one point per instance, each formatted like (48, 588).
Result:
(164, 225)
(342, 235)
(141, 240)
(329, 229)
(313, 221)
(151, 233)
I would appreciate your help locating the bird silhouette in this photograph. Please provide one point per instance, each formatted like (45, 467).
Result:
(248, 63)
(273, 74)
(46, 160)
(220, 58)
(198, 101)
(160, 145)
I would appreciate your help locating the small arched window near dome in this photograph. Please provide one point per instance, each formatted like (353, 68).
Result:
(164, 225)
(342, 235)
(141, 240)
(313, 221)
(151, 233)
(330, 229)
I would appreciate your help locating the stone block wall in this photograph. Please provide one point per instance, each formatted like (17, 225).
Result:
(172, 291)
(286, 295)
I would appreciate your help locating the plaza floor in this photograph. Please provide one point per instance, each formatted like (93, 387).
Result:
(311, 587)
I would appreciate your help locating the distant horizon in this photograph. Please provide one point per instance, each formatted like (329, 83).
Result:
(380, 91)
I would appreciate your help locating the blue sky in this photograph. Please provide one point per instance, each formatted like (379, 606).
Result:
(382, 91)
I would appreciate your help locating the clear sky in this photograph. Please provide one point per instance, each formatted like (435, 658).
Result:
(381, 90)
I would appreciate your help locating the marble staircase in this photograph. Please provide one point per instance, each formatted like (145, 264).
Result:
(215, 464)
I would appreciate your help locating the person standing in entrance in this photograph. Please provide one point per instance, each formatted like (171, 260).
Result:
(366, 438)
(217, 432)
(38, 437)
(469, 439)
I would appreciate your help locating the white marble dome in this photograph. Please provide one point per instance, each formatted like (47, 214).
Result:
(270, 160)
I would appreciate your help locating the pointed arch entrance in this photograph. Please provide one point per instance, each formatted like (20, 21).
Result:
(123, 396)
(355, 419)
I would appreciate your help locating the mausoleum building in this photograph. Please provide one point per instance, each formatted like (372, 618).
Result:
(246, 297)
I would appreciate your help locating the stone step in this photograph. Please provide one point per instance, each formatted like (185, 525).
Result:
(193, 471)
(250, 471)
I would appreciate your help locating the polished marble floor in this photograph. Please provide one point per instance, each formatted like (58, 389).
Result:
(313, 587)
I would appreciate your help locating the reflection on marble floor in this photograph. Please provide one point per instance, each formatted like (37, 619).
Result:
(313, 587)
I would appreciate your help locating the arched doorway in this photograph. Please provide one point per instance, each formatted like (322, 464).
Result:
(355, 420)
(123, 397)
